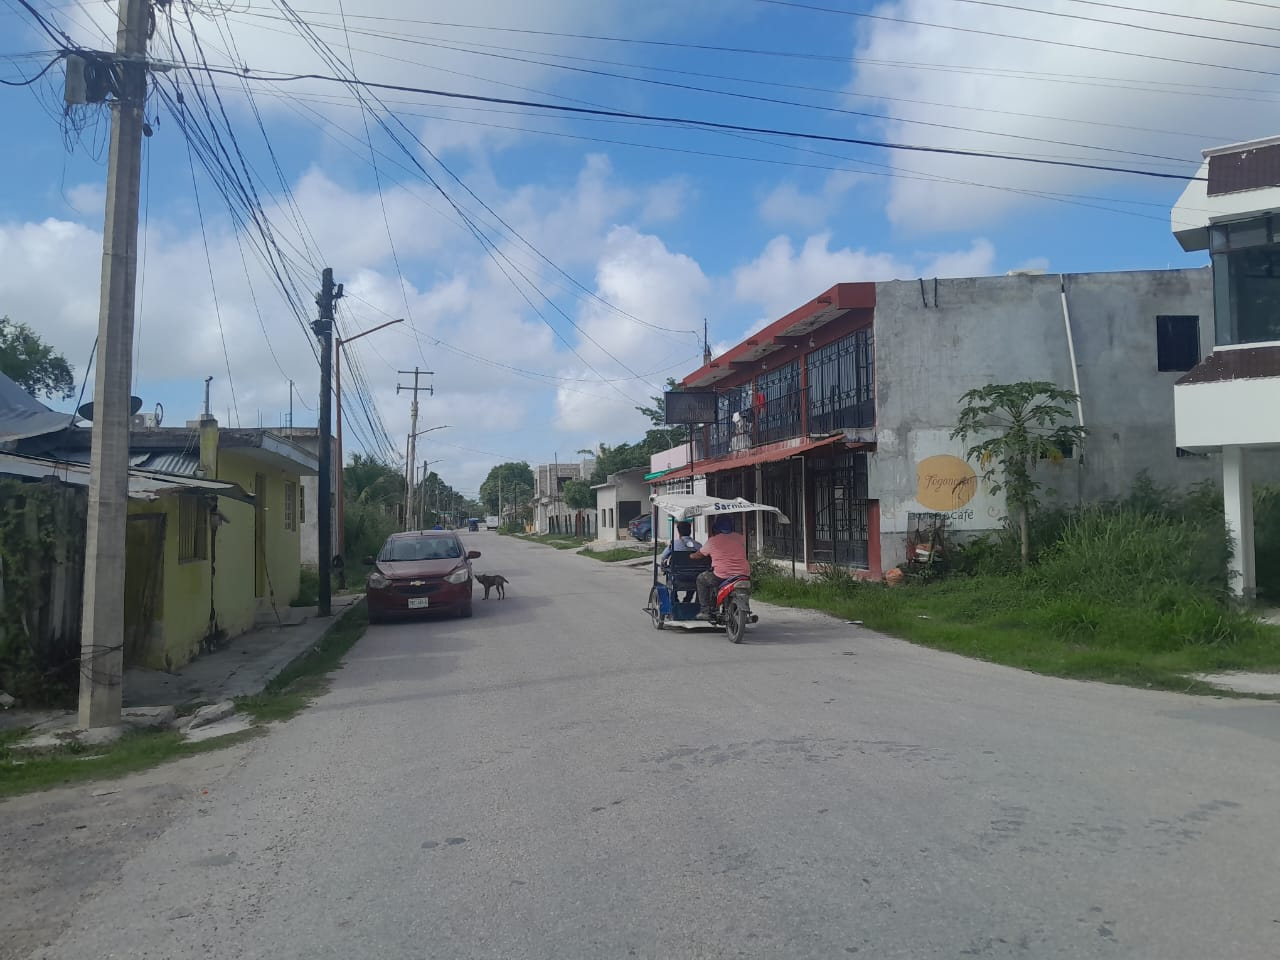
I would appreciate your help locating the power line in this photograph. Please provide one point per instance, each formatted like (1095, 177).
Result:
(30, 80)
(1120, 23)
(1011, 36)
(756, 98)
(715, 125)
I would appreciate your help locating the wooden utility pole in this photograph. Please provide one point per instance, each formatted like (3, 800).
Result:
(323, 327)
(411, 453)
(102, 614)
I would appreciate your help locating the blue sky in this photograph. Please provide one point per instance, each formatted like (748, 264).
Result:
(629, 233)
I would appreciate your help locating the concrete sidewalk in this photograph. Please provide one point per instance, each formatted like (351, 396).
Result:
(245, 666)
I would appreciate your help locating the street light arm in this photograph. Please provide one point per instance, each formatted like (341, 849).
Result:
(443, 426)
(340, 340)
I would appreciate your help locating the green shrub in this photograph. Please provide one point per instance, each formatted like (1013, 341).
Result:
(1266, 540)
(308, 588)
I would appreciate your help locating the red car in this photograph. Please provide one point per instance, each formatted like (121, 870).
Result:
(420, 572)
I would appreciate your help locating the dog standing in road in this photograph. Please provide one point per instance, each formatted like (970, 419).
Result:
(491, 580)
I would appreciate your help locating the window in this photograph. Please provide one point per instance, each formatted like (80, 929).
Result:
(1246, 295)
(842, 384)
(302, 504)
(193, 529)
(1177, 343)
(290, 505)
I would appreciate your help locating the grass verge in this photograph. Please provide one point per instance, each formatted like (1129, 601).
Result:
(560, 541)
(290, 691)
(22, 772)
(284, 697)
(614, 555)
(1020, 622)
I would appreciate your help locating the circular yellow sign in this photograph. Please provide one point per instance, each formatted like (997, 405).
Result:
(945, 483)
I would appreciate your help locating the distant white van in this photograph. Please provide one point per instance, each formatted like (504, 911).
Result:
(491, 523)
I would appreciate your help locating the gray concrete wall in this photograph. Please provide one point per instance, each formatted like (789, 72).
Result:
(1006, 329)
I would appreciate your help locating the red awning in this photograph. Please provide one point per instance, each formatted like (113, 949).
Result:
(748, 458)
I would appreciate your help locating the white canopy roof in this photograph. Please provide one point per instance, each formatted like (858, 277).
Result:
(686, 506)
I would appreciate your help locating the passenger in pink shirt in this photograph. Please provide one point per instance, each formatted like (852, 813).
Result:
(727, 550)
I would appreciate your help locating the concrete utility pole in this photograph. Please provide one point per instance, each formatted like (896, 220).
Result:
(329, 294)
(413, 439)
(338, 344)
(102, 613)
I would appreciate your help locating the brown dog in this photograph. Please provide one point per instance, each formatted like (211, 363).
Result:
(491, 580)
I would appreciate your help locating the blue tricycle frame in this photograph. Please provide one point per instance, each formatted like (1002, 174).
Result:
(680, 574)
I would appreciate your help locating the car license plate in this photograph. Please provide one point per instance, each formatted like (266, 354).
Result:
(417, 603)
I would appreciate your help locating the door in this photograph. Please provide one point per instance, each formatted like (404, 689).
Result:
(259, 535)
(841, 510)
(143, 582)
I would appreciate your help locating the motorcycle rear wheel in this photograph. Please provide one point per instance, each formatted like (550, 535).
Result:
(735, 615)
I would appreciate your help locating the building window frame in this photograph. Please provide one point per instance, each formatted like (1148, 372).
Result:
(841, 384)
(193, 529)
(290, 505)
(1177, 342)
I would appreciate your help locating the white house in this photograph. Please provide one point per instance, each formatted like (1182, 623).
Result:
(1230, 401)
(619, 500)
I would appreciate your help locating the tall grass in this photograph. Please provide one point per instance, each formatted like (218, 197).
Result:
(1132, 591)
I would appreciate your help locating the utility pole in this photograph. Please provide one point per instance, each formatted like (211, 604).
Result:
(411, 453)
(323, 327)
(102, 613)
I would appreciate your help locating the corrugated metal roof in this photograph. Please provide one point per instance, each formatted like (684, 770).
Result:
(1248, 169)
(181, 464)
(143, 485)
(1246, 363)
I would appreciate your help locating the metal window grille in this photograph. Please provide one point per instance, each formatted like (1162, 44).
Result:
(193, 529)
(780, 487)
(302, 504)
(778, 418)
(842, 510)
(290, 505)
(842, 384)
(727, 433)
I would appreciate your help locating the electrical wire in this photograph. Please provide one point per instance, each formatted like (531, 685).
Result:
(716, 125)
(1011, 36)
(30, 80)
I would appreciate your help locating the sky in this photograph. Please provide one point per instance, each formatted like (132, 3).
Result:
(553, 268)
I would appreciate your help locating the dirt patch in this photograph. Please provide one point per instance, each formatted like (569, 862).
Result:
(61, 845)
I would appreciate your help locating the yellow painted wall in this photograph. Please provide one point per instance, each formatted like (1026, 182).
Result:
(184, 607)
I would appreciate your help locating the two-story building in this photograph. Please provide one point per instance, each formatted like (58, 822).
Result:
(1230, 402)
(840, 413)
(550, 513)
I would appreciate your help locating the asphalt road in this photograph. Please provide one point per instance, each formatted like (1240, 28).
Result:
(555, 779)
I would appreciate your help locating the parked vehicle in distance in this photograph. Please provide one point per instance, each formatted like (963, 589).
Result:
(641, 527)
(491, 523)
(418, 572)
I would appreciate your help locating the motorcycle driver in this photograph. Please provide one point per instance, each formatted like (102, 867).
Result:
(727, 550)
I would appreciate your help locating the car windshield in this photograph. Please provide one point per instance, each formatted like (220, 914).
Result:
(421, 548)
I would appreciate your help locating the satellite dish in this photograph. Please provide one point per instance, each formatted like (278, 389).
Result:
(85, 411)
(159, 414)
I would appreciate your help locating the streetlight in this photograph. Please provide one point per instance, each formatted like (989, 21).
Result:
(425, 464)
(338, 344)
(409, 507)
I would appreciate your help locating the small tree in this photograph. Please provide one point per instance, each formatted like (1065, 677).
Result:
(578, 495)
(32, 364)
(1013, 426)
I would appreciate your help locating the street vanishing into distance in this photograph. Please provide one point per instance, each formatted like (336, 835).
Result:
(555, 779)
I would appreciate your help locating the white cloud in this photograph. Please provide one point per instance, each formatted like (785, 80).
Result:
(788, 203)
(640, 276)
(1003, 89)
(666, 200)
(978, 261)
(782, 278)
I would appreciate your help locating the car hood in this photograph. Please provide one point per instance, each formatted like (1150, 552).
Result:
(407, 569)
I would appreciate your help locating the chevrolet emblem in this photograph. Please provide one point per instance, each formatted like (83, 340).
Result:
(417, 583)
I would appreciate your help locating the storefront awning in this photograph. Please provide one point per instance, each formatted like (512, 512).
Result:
(749, 458)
